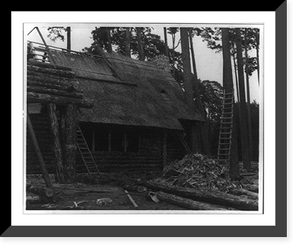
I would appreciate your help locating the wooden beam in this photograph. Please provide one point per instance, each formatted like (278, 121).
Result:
(71, 139)
(51, 71)
(39, 153)
(56, 141)
(206, 195)
(188, 203)
(33, 97)
(58, 92)
(52, 84)
(164, 151)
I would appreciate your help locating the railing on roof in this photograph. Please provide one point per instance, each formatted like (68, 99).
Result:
(39, 52)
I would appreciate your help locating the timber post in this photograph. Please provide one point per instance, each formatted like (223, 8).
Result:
(56, 141)
(164, 151)
(71, 137)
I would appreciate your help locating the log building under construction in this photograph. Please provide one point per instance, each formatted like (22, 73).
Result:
(100, 113)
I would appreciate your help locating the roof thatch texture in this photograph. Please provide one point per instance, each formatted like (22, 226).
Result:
(127, 91)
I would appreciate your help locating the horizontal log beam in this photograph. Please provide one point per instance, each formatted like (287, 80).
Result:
(206, 195)
(51, 71)
(60, 100)
(55, 92)
(48, 65)
(188, 203)
(52, 82)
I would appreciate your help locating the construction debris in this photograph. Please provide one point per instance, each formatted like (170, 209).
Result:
(131, 199)
(103, 201)
(199, 171)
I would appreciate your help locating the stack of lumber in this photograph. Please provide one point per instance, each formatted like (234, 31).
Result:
(47, 83)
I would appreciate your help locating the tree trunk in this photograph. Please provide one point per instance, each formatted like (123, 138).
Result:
(127, 42)
(228, 86)
(173, 54)
(109, 50)
(56, 141)
(203, 132)
(236, 79)
(140, 44)
(257, 54)
(71, 137)
(187, 75)
(166, 43)
(189, 86)
(243, 108)
(234, 170)
(248, 97)
(206, 195)
(69, 38)
(187, 203)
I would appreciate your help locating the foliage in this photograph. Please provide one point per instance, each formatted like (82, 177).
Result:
(212, 36)
(211, 95)
(56, 32)
(152, 43)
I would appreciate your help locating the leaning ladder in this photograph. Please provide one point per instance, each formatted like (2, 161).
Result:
(86, 154)
(225, 134)
(183, 142)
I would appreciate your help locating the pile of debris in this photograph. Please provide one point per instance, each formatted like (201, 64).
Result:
(199, 171)
(201, 183)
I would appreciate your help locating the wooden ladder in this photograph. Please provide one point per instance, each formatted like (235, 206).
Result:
(86, 154)
(183, 142)
(225, 134)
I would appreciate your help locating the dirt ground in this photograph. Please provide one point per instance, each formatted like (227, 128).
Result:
(84, 195)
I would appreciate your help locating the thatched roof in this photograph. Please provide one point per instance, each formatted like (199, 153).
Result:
(127, 91)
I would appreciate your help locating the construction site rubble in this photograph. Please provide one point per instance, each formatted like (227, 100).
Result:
(200, 171)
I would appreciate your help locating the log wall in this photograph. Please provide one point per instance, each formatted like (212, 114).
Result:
(41, 126)
(150, 155)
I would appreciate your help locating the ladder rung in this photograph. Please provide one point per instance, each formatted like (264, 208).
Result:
(87, 152)
(225, 138)
(225, 145)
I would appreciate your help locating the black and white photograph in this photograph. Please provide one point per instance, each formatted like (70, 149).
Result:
(143, 118)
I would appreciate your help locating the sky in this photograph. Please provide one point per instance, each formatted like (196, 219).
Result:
(209, 63)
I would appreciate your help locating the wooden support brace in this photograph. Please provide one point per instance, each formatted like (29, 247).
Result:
(39, 153)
